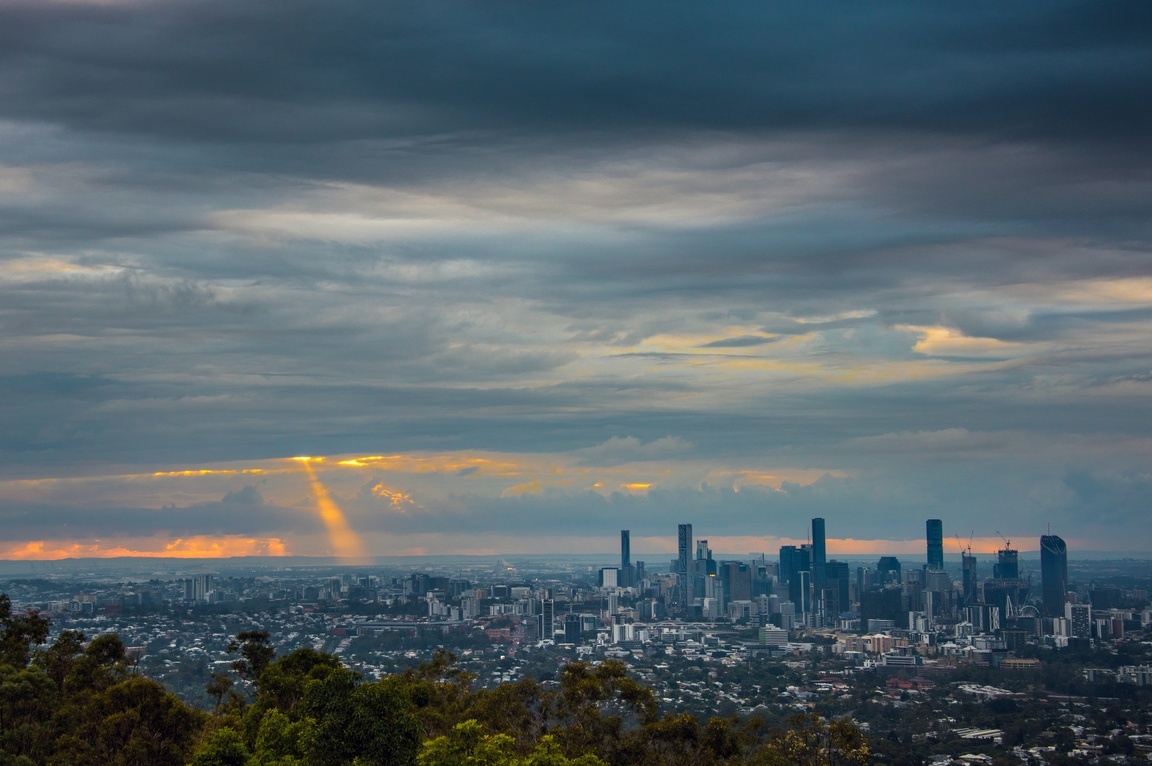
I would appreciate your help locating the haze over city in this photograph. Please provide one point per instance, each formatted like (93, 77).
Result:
(443, 278)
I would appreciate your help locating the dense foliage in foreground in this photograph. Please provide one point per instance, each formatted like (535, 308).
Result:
(77, 702)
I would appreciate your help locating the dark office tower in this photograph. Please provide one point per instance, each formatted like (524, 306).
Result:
(888, 571)
(836, 591)
(1054, 574)
(799, 587)
(547, 618)
(1007, 566)
(882, 604)
(819, 555)
(737, 579)
(803, 597)
(934, 532)
(968, 572)
(787, 569)
(684, 593)
(627, 574)
(572, 628)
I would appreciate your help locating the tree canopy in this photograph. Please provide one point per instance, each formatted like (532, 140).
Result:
(81, 702)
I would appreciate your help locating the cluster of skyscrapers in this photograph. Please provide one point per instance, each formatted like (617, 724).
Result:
(806, 588)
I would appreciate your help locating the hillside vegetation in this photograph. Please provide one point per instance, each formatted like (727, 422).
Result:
(81, 702)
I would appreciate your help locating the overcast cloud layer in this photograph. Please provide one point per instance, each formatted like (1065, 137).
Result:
(527, 273)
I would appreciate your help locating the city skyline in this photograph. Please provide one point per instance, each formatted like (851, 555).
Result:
(456, 278)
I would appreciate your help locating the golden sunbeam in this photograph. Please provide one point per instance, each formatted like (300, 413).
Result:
(346, 544)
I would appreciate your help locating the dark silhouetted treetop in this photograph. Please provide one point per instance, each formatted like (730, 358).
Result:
(19, 633)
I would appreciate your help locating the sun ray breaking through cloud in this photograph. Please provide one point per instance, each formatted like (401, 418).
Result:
(346, 544)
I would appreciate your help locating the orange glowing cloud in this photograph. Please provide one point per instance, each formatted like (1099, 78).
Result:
(201, 546)
(775, 478)
(946, 341)
(194, 547)
(206, 472)
(399, 501)
(448, 464)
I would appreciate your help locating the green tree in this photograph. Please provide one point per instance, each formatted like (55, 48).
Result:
(671, 740)
(442, 697)
(217, 688)
(102, 663)
(282, 682)
(810, 741)
(282, 686)
(468, 745)
(256, 653)
(223, 747)
(594, 703)
(547, 753)
(28, 698)
(281, 741)
(18, 633)
(518, 709)
(366, 724)
(57, 659)
(134, 722)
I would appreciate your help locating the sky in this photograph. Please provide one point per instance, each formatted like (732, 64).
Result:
(514, 276)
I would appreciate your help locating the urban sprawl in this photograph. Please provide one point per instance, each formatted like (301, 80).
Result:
(936, 661)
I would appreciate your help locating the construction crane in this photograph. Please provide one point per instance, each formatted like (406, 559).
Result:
(1007, 542)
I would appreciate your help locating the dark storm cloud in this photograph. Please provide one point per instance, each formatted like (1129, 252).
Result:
(231, 517)
(1115, 497)
(221, 71)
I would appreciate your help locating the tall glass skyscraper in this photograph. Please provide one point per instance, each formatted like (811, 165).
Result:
(819, 555)
(684, 567)
(787, 563)
(627, 574)
(934, 532)
(1054, 574)
(968, 574)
